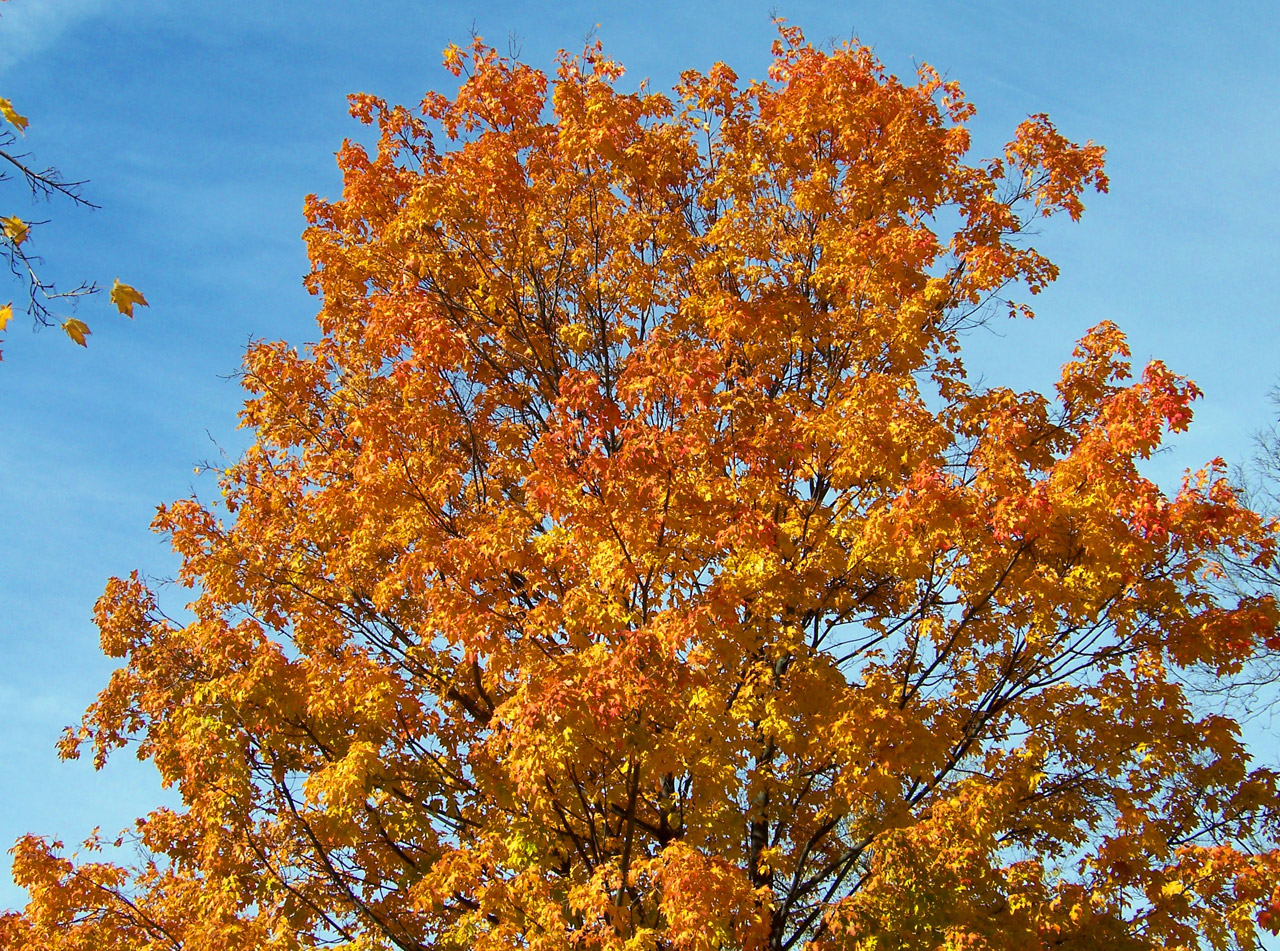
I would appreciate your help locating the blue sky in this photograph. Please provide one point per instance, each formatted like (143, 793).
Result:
(202, 125)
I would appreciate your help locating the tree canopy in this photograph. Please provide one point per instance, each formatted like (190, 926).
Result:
(630, 563)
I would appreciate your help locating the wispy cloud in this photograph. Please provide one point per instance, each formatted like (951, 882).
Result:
(29, 27)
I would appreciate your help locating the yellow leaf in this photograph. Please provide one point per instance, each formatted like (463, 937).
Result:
(6, 314)
(10, 113)
(124, 297)
(15, 229)
(77, 330)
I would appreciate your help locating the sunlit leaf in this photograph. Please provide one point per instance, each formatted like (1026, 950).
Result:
(11, 114)
(124, 297)
(15, 229)
(77, 330)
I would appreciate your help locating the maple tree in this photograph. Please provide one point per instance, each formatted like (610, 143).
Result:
(44, 300)
(630, 564)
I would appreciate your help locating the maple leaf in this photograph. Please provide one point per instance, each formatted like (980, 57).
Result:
(6, 314)
(124, 297)
(15, 229)
(11, 114)
(77, 330)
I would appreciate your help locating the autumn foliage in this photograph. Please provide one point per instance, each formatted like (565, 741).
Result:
(630, 564)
